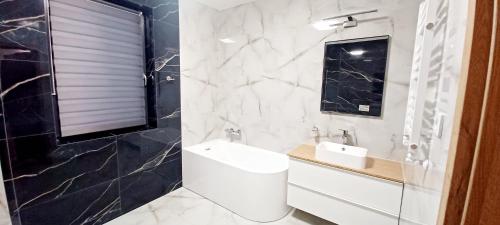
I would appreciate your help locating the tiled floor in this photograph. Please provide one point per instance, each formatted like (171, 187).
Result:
(183, 207)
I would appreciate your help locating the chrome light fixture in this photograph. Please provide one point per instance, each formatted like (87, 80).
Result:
(350, 22)
(333, 22)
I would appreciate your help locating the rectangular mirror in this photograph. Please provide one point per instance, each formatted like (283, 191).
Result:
(353, 76)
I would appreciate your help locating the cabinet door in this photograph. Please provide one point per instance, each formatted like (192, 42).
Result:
(336, 210)
(378, 194)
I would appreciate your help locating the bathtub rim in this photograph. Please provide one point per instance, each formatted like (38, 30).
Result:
(245, 169)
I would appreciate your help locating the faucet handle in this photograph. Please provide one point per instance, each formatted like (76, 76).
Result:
(229, 130)
(232, 131)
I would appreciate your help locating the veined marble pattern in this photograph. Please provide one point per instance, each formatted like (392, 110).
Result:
(354, 84)
(198, 73)
(258, 67)
(83, 181)
(183, 207)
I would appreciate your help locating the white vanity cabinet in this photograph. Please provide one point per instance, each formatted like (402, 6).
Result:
(343, 196)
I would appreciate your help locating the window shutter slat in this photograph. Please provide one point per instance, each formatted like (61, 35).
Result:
(99, 65)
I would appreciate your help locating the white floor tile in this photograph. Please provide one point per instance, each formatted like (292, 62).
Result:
(183, 207)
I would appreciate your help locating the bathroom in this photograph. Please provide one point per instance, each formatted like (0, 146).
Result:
(279, 112)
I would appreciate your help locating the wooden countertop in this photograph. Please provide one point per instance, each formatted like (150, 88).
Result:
(376, 167)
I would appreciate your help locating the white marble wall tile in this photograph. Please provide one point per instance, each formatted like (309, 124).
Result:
(268, 83)
(198, 76)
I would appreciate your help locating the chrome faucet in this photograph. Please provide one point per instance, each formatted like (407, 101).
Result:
(346, 138)
(233, 134)
(316, 134)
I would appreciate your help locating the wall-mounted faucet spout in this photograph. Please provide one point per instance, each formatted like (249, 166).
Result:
(233, 134)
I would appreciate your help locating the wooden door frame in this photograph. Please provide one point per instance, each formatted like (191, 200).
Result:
(482, 206)
(473, 144)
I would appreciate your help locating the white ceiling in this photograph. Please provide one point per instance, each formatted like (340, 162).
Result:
(224, 4)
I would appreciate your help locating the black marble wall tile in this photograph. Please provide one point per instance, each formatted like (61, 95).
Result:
(142, 151)
(2, 128)
(11, 196)
(55, 172)
(152, 92)
(23, 79)
(29, 116)
(23, 30)
(15, 219)
(15, 10)
(28, 154)
(153, 183)
(24, 71)
(166, 11)
(12, 203)
(166, 42)
(94, 205)
(77, 183)
(169, 104)
(5, 161)
(139, 2)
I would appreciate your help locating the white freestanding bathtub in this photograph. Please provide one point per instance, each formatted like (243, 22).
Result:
(248, 181)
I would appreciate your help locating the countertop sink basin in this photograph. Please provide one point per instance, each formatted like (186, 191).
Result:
(342, 155)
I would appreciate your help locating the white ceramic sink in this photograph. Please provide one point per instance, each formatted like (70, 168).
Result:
(343, 155)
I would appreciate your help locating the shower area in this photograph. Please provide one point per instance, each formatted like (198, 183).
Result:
(433, 91)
